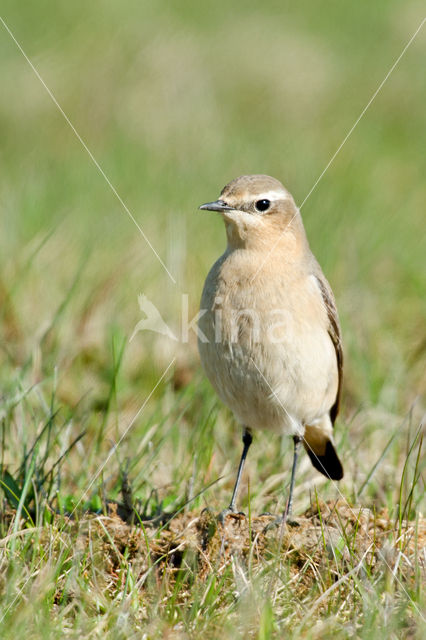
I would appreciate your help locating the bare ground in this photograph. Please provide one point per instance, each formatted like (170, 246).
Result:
(314, 548)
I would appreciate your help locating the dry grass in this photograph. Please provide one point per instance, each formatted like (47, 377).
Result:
(329, 560)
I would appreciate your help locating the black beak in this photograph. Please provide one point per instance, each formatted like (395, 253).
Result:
(218, 205)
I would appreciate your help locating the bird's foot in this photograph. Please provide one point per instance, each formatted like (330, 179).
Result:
(230, 511)
(279, 522)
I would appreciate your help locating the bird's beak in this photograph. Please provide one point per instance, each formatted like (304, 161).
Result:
(218, 205)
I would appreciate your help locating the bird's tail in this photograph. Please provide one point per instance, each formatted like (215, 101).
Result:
(319, 445)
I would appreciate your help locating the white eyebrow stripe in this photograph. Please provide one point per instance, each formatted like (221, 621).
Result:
(273, 195)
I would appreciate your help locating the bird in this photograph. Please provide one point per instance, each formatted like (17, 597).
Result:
(269, 335)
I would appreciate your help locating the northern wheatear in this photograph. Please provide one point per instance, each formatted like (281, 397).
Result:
(269, 336)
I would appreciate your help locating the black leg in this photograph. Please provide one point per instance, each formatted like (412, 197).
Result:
(281, 521)
(247, 440)
(289, 507)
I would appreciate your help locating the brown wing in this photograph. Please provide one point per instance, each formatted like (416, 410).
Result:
(335, 335)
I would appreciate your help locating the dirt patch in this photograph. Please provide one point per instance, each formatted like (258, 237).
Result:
(324, 545)
(322, 541)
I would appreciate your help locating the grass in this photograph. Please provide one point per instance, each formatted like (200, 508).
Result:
(174, 100)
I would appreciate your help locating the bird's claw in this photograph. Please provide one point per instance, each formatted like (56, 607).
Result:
(278, 522)
(229, 511)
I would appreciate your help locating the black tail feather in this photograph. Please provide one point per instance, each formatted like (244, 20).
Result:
(328, 464)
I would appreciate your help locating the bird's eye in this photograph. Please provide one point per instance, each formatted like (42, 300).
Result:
(263, 205)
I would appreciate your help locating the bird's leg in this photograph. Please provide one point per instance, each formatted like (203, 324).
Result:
(247, 440)
(289, 506)
(286, 517)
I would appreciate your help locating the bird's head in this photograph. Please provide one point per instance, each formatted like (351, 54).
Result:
(257, 210)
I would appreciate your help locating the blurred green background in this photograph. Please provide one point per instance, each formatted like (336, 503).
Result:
(174, 99)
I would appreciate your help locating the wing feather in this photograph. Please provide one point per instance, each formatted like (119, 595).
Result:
(334, 333)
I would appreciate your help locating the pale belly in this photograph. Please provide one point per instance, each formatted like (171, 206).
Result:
(268, 358)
